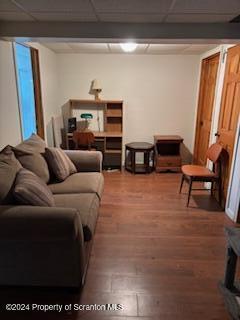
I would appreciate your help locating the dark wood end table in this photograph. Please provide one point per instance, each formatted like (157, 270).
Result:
(130, 157)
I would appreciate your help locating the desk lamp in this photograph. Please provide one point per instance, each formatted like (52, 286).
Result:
(96, 88)
(87, 117)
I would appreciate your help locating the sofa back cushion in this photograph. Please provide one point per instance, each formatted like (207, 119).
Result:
(60, 163)
(32, 144)
(29, 189)
(34, 162)
(9, 166)
(30, 154)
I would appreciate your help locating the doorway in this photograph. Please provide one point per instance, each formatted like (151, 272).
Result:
(209, 71)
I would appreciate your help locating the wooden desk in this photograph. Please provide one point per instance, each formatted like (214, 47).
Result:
(110, 144)
(101, 134)
(109, 141)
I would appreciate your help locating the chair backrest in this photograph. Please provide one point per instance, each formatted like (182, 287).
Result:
(83, 139)
(214, 152)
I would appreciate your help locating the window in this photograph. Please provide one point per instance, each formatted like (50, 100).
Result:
(29, 93)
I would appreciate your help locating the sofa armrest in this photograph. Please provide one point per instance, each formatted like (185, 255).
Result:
(86, 161)
(41, 246)
(39, 223)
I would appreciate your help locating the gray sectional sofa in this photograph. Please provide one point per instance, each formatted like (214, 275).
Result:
(50, 246)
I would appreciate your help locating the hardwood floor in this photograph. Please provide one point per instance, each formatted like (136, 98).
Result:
(151, 254)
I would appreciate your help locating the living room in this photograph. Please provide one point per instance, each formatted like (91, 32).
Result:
(146, 248)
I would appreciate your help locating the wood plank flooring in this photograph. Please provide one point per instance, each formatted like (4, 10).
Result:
(151, 254)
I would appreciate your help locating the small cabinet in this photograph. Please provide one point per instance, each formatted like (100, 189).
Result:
(167, 153)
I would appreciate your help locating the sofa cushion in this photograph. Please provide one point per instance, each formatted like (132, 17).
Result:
(60, 163)
(87, 205)
(9, 166)
(8, 156)
(29, 189)
(7, 178)
(33, 144)
(81, 182)
(34, 162)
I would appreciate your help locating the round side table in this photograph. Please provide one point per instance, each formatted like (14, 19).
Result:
(130, 157)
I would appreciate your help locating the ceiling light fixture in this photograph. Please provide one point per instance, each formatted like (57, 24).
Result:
(128, 46)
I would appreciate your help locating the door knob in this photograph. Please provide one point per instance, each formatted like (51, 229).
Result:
(217, 134)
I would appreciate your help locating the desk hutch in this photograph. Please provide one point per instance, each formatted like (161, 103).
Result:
(108, 141)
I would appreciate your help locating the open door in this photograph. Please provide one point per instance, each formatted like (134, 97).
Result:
(229, 113)
(209, 72)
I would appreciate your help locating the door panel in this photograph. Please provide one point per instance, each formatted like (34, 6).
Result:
(205, 107)
(229, 112)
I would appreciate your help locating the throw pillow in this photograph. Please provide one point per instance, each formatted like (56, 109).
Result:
(34, 162)
(29, 189)
(32, 144)
(9, 166)
(7, 156)
(60, 163)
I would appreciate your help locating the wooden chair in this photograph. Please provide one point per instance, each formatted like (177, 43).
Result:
(192, 173)
(83, 140)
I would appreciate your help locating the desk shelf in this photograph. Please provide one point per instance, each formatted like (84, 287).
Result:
(109, 141)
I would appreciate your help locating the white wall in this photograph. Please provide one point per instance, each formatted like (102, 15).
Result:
(10, 130)
(159, 91)
(49, 85)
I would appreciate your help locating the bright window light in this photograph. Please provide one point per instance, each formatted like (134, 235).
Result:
(128, 46)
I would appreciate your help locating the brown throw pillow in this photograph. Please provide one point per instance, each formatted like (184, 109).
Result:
(9, 166)
(8, 156)
(30, 154)
(32, 144)
(34, 162)
(60, 163)
(29, 189)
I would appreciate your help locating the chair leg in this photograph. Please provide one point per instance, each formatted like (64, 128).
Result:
(182, 180)
(220, 192)
(189, 191)
(212, 188)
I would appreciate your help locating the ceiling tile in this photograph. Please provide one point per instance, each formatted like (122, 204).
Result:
(116, 48)
(66, 16)
(15, 16)
(199, 18)
(199, 48)
(207, 6)
(167, 48)
(132, 6)
(56, 5)
(7, 5)
(130, 17)
(58, 47)
(89, 47)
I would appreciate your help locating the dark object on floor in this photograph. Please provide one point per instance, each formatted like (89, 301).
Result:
(199, 173)
(231, 301)
(130, 157)
(229, 287)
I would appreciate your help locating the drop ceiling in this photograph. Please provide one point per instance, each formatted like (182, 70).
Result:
(111, 48)
(141, 11)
